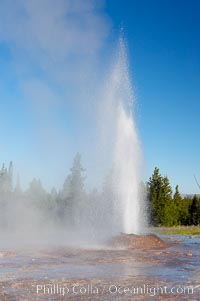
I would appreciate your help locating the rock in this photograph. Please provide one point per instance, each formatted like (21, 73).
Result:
(145, 242)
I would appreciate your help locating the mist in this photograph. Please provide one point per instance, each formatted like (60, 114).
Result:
(56, 55)
(79, 155)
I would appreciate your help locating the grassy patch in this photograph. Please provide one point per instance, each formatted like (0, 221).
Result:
(181, 230)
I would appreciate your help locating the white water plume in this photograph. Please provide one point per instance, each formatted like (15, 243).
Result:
(126, 147)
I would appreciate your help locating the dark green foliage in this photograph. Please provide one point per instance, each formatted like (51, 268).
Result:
(165, 210)
(194, 211)
(184, 215)
(156, 200)
(161, 204)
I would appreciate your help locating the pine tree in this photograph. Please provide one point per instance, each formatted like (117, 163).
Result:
(36, 193)
(5, 182)
(161, 205)
(177, 195)
(178, 203)
(194, 211)
(18, 190)
(184, 211)
(155, 199)
(74, 192)
(10, 176)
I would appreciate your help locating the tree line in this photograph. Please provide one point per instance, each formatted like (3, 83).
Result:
(73, 206)
(168, 209)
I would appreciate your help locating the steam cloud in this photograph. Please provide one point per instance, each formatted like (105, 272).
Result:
(55, 55)
(58, 53)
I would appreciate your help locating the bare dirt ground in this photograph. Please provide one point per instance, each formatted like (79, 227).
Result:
(129, 270)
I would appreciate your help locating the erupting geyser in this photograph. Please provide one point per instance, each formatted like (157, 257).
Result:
(87, 218)
(126, 167)
(126, 148)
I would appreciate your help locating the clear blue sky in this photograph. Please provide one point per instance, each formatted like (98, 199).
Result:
(164, 45)
(164, 51)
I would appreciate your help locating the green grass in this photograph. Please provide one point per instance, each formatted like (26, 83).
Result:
(181, 230)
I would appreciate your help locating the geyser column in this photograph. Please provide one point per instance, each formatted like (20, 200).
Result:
(127, 173)
(126, 152)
